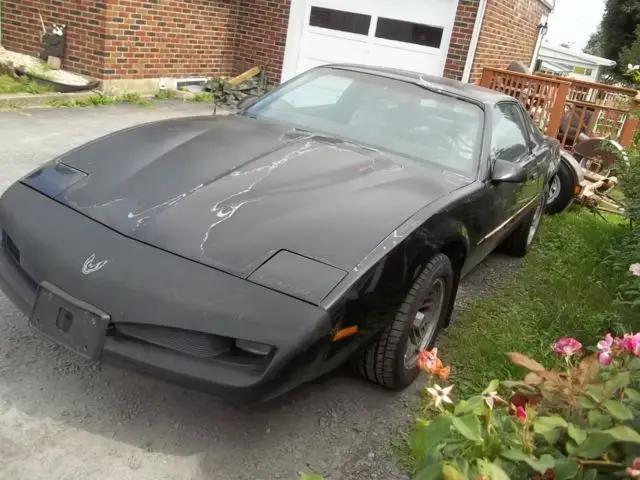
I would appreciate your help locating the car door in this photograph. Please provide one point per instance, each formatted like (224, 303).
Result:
(540, 147)
(511, 141)
(501, 205)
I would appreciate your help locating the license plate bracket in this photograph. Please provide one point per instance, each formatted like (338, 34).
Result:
(69, 322)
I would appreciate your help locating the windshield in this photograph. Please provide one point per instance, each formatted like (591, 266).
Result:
(387, 114)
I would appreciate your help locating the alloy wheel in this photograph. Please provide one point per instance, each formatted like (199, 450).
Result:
(425, 322)
(554, 189)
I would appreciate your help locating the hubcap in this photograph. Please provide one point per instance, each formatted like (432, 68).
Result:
(425, 323)
(554, 189)
(535, 222)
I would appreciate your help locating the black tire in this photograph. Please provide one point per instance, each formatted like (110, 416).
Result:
(564, 198)
(384, 361)
(518, 243)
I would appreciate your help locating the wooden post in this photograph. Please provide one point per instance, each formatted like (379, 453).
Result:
(557, 112)
(630, 126)
(487, 76)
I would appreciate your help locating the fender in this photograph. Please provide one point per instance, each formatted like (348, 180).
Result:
(415, 240)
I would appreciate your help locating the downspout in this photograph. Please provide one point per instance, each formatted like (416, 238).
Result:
(473, 46)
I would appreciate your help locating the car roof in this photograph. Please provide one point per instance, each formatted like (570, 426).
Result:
(453, 87)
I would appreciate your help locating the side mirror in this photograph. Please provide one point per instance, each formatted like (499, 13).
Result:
(508, 172)
(246, 102)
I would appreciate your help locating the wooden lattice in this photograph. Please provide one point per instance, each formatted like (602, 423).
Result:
(564, 108)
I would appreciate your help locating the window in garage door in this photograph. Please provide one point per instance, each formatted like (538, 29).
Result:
(408, 32)
(340, 20)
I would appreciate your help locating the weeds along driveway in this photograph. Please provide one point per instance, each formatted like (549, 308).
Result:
(63, 418)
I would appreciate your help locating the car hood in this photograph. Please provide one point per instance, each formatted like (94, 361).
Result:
(230, 192)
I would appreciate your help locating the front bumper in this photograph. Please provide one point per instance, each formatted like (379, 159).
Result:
(142, 288)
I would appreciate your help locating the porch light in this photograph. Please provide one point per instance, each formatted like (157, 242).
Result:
(543, 27)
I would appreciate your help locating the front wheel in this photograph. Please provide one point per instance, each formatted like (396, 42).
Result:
(391, 361)
(561, 190)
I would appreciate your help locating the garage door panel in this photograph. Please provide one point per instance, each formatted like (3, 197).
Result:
(332, 48)
(394, 57)
(431, 12)
(360, 6)
(407, 34)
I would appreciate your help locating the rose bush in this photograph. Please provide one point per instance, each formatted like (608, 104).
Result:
(579, 420)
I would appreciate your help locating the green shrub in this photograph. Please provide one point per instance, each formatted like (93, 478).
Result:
(630, 185)
(576, 421)
(625, 252)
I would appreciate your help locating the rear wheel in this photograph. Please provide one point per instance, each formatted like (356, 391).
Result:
(392, 360)
(561, 190)
(519, 242)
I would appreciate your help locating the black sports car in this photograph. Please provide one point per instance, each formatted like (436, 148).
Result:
(328, 221)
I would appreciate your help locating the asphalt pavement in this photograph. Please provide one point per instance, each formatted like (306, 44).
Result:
(64, 418)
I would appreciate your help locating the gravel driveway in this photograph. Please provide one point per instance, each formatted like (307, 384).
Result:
(63, 418)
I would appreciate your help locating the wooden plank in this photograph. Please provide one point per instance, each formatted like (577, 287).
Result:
(243, 77)
(632, 123)
(597, 106)
(557, 110)
(525, 75)
(629, 130)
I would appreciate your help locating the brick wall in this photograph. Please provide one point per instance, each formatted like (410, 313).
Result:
(509, 33)
(461, 38)
(261, 35)
(111, 39)
(84, 53)
(176, 38)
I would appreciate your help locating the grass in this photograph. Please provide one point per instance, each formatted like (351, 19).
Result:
(165, 94)
(20, 85)
(101, 100)
(565, 288)
(11, 85)
(201, 97)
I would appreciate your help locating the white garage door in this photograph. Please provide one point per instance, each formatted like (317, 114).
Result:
(407, 34)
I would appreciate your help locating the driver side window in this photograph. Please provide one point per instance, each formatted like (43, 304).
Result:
(510, 140)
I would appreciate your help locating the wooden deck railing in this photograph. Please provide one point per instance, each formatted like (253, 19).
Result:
(563, 107)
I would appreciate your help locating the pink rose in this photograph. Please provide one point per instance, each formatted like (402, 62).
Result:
(567, 346)
(605, 356)
(606, 343)
(631, 343)
(634, 470)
